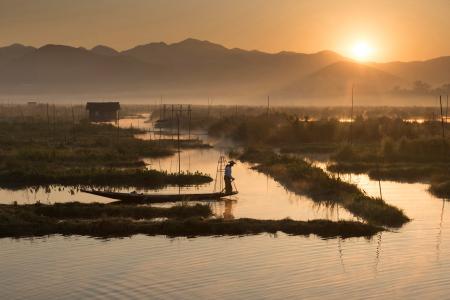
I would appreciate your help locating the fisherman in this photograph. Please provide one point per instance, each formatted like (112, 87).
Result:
(228, 178)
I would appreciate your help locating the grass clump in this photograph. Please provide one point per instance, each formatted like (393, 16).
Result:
(245, 226)
(304, 178)
(107, 220)
(76, 210)
(437, 175)
(384, 144)
(441, 189)
(96, 177)
(425, 159)
(73, 154)
(424, 150)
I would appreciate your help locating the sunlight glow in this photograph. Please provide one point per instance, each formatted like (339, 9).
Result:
(362, 51)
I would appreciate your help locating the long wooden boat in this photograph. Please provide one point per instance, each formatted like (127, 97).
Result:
(157, 198)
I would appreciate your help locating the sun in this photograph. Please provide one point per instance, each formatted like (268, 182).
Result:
(362, 51)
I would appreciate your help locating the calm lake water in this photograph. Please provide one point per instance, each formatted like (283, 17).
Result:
(411, 262)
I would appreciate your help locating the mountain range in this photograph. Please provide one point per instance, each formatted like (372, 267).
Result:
(199, 69)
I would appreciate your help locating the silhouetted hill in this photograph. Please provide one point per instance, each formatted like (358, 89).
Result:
(56, 67)
(13, 52)
(218, 69)
(337, 79)
(188, 67)
(198, 69)
(434, 71)
(189, 52)
(104, 50)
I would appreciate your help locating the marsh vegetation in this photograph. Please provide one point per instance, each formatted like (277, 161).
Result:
(390, 146)
(34, 152)
(115, 220)
(39, 151)
(304, 178)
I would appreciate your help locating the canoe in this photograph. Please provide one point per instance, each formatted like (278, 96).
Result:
(157, 198)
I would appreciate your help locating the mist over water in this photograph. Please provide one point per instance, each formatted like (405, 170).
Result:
(193, 71)
(244, 267)
(261, 266)
(323, 95)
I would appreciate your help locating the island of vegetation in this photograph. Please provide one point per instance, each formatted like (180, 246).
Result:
(381, 142)
(401, 144)
(35, 153)
(302, 177)
(119, 220)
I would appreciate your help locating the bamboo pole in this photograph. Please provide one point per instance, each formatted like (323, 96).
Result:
(118, 124)
(446, 112)
(48, 122)
(379, 180)
(189, 121)
(442, 118)
(178, 142)
(351, 121)
(54, 120)
(73, 123)
(171, 123)
(160, 107)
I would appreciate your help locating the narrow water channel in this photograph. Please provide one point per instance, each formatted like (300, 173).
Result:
(259, 196)
(410, 262)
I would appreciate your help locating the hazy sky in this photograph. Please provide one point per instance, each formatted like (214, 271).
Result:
(393, 29)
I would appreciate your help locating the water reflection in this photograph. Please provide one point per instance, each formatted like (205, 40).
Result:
(228, 209)
(341, 255)
(378, 251)
(425, 233)
(399, 264)
(439, 235)
(50, 194)
(259, 195)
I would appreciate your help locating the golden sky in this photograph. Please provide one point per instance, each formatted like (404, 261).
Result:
(391, 29)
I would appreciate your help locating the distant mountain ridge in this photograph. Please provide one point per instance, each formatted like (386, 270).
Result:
(434, 71)
(14, 51)
(338, 79)
(194, 68)
(105, 50)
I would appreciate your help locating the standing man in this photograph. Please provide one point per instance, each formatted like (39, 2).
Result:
(228, 178)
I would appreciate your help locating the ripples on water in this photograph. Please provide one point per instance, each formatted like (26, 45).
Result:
(248, 267)
(412, 262)
(259, 195)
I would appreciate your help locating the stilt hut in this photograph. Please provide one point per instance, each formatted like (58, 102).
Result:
(103, 111)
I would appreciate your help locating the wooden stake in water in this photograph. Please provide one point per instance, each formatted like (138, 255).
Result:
(54, 119)
(171, 124)
(178, 138)
(351, 121)
(73, 123)
(118, 127)
(48, 121)
(379, 186)
(446, 112)
(189, 121)
(442, 118)
(160, 107)
(268, 106)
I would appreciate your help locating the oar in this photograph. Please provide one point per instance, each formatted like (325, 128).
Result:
(234, 184)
